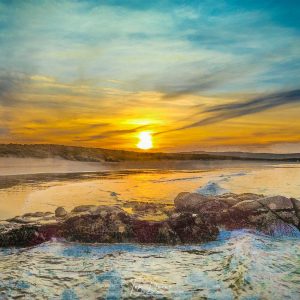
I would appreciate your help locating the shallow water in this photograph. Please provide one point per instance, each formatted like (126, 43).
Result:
(160, 184)
(240, 265)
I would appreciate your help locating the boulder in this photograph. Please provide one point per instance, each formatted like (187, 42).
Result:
(82, 208)
(38, 214)
(192, 228)
(246, 210)
(60, 212)
(248, 205)
(277, 203)
(26, 235)
(248, 196)
(230, 200)
(190, 201)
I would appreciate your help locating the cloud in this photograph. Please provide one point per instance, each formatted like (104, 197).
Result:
(222, 112)
(112, 133)
(113, 61)
(10, 82)
(197, 49)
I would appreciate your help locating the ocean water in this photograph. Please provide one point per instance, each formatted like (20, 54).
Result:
(152, 182)
(239, 265)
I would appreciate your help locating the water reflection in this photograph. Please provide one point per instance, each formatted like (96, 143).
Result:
(46, 192)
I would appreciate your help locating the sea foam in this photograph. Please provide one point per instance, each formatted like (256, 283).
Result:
(211, 189)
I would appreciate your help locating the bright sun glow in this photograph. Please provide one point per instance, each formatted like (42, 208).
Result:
(145, 140)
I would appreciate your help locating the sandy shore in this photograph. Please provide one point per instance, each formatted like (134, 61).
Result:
(123, 183)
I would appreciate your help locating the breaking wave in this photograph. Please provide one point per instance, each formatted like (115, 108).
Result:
(211, 189)
(239, 265)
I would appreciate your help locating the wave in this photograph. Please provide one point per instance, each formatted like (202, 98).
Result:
(239, 265)
(211, 189)
(177, 179)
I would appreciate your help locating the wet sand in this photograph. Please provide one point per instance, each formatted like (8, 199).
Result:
(121, 183)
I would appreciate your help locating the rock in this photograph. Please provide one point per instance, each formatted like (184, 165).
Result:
(190, 201)
(153, 232)
(296, 204)
(248, 196)
(246, 210)
(83, 208)
(193, 228)
(213, 210)
(270, 223)
(26, 235)
(248, 205)
(230, 200)
(38, 214)
(196, 219)
(19, 220)
(277, 203)
(111, 225)
(60, 212)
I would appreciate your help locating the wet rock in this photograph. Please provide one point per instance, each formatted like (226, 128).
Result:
(277, 203)
(192, 228)
(230, 200)
(246, 210)
(248, 196)
(38, 214)
(196, 219)
(26, 235)
(83, 208)
(248, 205)
(19, 220)
(213, 210)
(190, 201)
(153, 232)
(94, 228)
(60, 212)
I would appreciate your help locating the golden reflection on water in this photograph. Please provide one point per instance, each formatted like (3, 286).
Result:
(160, 186)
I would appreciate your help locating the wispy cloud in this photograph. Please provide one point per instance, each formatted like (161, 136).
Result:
(222, 112)
(113, 133)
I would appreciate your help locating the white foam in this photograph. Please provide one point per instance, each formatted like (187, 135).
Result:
(211, 189)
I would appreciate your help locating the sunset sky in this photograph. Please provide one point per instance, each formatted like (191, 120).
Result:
(197, 75)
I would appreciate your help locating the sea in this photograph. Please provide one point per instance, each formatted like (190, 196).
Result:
(240, 264)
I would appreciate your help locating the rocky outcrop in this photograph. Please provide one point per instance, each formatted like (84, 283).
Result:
(194, 219)
(248, 210)
(106, 224)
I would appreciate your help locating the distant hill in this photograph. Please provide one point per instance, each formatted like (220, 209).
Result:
(99, 154)
(251, 155)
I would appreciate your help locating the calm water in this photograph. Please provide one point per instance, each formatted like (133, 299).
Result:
(240, 265)
(152, 182)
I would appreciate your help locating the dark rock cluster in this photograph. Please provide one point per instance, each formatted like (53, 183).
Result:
(106, 224)
(194, 219)
(248, 210)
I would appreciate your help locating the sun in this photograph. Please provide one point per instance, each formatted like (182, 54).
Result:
(145, 142)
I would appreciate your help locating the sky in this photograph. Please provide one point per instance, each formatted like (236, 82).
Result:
(197, 75)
